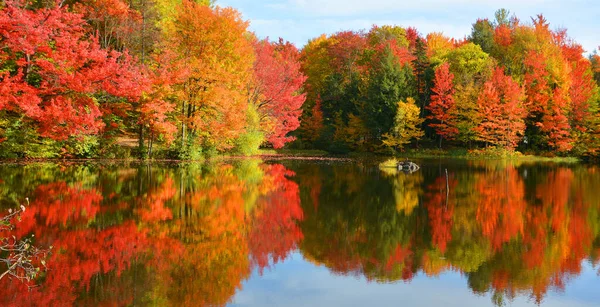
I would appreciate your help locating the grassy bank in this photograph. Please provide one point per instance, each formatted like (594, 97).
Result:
(126, 153)
(485, 154)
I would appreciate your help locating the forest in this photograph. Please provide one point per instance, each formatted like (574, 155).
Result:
(181, 79)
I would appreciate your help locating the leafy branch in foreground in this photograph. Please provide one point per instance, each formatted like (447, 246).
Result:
(23, 260)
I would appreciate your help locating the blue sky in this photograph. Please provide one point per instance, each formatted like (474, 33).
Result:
(300, 20)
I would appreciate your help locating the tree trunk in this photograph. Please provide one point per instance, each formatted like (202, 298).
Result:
(183, 125)
(150, 143)
(141, 141)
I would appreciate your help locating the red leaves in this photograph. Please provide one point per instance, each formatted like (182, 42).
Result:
(63, 117)
(277, 84)
(58, 69)
(442, 103)
(345, 49)
(275, 232)
(548, 107)
(502, 35)
(556, 124)
(501, 111)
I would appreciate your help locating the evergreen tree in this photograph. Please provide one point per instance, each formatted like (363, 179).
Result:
(390, 82)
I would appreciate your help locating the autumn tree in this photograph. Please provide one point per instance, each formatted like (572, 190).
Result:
(501, 112)
(56, 78)
(406, 125)
(583, 93)
(216, 57)
(438, 47)
(275, 89)
(471, 68)
(442, 104)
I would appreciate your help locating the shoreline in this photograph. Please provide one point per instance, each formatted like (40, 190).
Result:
(314, 156)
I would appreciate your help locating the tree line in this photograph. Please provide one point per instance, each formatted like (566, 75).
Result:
(510, 85)
(187, 79)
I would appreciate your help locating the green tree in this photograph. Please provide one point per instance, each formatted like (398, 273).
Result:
(390, 82)
(482, 34)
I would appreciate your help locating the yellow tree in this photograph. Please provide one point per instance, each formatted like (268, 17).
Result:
(406, 127)
(215, 57)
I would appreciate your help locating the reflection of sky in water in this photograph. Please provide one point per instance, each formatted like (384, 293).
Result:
(297, 282)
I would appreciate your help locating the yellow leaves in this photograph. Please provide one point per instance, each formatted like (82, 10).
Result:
(316, 64)
(381, 34)
(434, 263)
(438, 46)
(211, 46)
(407, 189)
(406, 125)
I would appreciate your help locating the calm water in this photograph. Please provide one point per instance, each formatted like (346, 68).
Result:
(308, 233)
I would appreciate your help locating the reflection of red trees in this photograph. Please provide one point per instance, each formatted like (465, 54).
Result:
(526, 239)
(59, 205)
(440, 210)
(554, 232)
(401, 257)
(580, 237)
(58, 217)
(275, 232)
(200, 257)
(78, 256)
(153, 205)
(501, 206)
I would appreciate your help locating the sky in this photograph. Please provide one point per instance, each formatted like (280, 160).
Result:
(300, 20)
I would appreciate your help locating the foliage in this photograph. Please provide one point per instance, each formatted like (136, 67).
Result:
(276, 89)
(501, 112)
(53, 73)
(406, 125)
(442, 104)
(247, 144)
(391, 82)
(214, 75)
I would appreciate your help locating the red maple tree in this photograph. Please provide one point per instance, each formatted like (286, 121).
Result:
(276, 89)
(60, 71)
(501, 111)
(442, 104)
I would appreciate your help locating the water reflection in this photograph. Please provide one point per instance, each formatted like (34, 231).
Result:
(510, 229)
(188, 234)
(177, 235)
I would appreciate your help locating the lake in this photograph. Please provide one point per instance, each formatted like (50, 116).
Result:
(294, 232)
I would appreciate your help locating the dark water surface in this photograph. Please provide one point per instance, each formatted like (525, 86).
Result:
(308, 233)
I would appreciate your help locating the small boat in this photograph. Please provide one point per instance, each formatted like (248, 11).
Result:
(408, 166)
